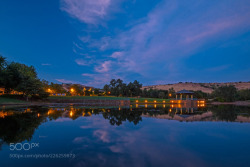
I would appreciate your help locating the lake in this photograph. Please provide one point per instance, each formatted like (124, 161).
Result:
(138, 135)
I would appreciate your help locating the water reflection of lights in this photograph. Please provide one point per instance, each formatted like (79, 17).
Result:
(164, 105)
(136, 105)
(146, 106)
(2, 114)
(155, 106)
(71, 114)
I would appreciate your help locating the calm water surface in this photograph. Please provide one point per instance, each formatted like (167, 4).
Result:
(135, 136)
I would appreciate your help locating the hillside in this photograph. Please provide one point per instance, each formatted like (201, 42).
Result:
(204, 87)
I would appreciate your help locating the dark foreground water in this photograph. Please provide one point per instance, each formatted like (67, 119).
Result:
(134, 136)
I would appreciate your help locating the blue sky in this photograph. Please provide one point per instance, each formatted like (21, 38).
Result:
(155, 42)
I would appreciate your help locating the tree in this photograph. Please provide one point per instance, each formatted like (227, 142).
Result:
(244, 94)
(23, 78)
(96, 91)
(76, 89)
(56, 88)
(161, 95)
(116, 87)
(106, 88)
(225, 93)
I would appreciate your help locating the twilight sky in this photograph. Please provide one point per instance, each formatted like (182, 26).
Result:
(153, 41)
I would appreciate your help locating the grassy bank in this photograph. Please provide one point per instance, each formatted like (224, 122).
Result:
(132, 99)
(5, 100)
(87, 98)
(13, 100)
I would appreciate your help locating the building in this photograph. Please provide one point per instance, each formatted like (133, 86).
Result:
(187, 98)
(68, 87)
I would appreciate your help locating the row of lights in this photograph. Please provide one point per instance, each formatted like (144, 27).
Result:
(154, 101)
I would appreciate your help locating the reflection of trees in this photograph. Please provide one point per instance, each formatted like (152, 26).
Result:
(19, 127)
(225, 112)
(116, 117)
(229, 112)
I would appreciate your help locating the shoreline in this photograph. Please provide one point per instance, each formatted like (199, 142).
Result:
(237, 103)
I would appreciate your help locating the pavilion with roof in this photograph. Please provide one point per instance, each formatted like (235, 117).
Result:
(184, 95)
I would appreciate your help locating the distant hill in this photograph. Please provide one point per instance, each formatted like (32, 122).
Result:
(204, 87)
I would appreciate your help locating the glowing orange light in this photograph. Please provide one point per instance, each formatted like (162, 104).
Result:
(71, 113)
(164, 101)
(155, 101)
(169, 94)
(170, 110)
(136, 101)
(38, 115)
(72, 90)
(146, 101)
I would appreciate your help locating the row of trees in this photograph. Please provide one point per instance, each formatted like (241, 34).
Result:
(118, 88)
(133, 89)
(230, 94)
(21, 78)
(74, 89)
(223, 93)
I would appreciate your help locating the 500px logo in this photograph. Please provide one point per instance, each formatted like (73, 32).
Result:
(23, 146)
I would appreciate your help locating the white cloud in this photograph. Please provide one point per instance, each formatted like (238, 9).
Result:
(67, 81)
(117, 55)
(87, 11)
(104, 67)
(82, 62)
